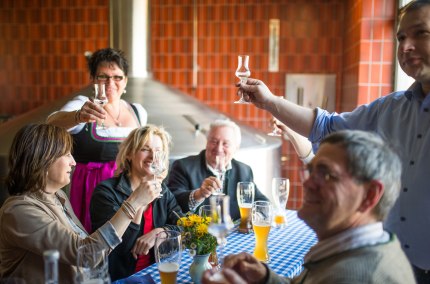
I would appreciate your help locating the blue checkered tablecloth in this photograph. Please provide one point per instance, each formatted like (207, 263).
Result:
(287, 248)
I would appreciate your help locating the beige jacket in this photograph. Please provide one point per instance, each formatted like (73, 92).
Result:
(33, 223)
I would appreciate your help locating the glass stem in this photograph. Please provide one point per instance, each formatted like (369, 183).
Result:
(221, 252)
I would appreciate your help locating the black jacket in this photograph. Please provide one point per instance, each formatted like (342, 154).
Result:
(107, 199)
(188, 174)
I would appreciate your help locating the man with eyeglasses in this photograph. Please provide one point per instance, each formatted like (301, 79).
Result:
(195, 178)
(350, 186)
(95, 147)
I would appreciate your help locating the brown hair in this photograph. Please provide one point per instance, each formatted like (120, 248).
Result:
(34, 149)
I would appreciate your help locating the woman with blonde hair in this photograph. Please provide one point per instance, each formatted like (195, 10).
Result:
(38, 215)
(134, 160)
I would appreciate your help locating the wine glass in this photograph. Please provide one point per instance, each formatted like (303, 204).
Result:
(221, 222)
(100, 99)
(168, 253)
(157, 166)
(280, 192)
(242, 73)
(220, 173)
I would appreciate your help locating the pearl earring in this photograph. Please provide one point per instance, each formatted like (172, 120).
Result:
(125, 91)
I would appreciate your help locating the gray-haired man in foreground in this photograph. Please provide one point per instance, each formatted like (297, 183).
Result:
(350, 186)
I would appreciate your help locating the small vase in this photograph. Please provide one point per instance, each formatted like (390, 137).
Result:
(198, 266)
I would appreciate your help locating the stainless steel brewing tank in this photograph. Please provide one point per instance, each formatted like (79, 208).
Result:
(181, 115)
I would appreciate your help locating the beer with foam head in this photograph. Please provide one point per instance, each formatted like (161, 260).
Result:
(168, 272)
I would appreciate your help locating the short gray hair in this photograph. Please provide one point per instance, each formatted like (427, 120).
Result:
(227, 123)
(370, 158)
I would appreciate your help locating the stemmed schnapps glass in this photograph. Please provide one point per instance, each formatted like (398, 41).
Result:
(157, 166)
(220, 173)
(242, 73)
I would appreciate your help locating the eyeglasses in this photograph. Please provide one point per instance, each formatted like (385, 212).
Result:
(320, 175)
(104, 78)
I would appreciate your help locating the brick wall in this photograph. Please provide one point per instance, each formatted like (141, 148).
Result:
(42, 45)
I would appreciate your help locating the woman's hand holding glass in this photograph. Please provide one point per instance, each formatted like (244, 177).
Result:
(145, 193)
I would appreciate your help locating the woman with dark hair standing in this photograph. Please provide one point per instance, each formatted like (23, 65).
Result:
(38, 216)
(95, 148)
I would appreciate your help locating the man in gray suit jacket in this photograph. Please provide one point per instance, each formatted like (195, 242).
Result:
(193, 179)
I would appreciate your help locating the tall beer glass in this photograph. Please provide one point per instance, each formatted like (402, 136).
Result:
(280, 192)
(245, 197)
(168, 252)
(262, 214)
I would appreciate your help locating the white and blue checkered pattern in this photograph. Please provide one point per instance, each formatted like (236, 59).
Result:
(287, 248)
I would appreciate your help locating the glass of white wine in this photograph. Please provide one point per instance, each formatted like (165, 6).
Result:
(242, 72)
(100, 98)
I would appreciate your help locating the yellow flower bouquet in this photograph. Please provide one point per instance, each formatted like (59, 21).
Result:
(195, 235)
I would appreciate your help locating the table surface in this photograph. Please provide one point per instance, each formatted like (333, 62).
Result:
(287, 247)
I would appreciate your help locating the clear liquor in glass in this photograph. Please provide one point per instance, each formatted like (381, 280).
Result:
(242, 72)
